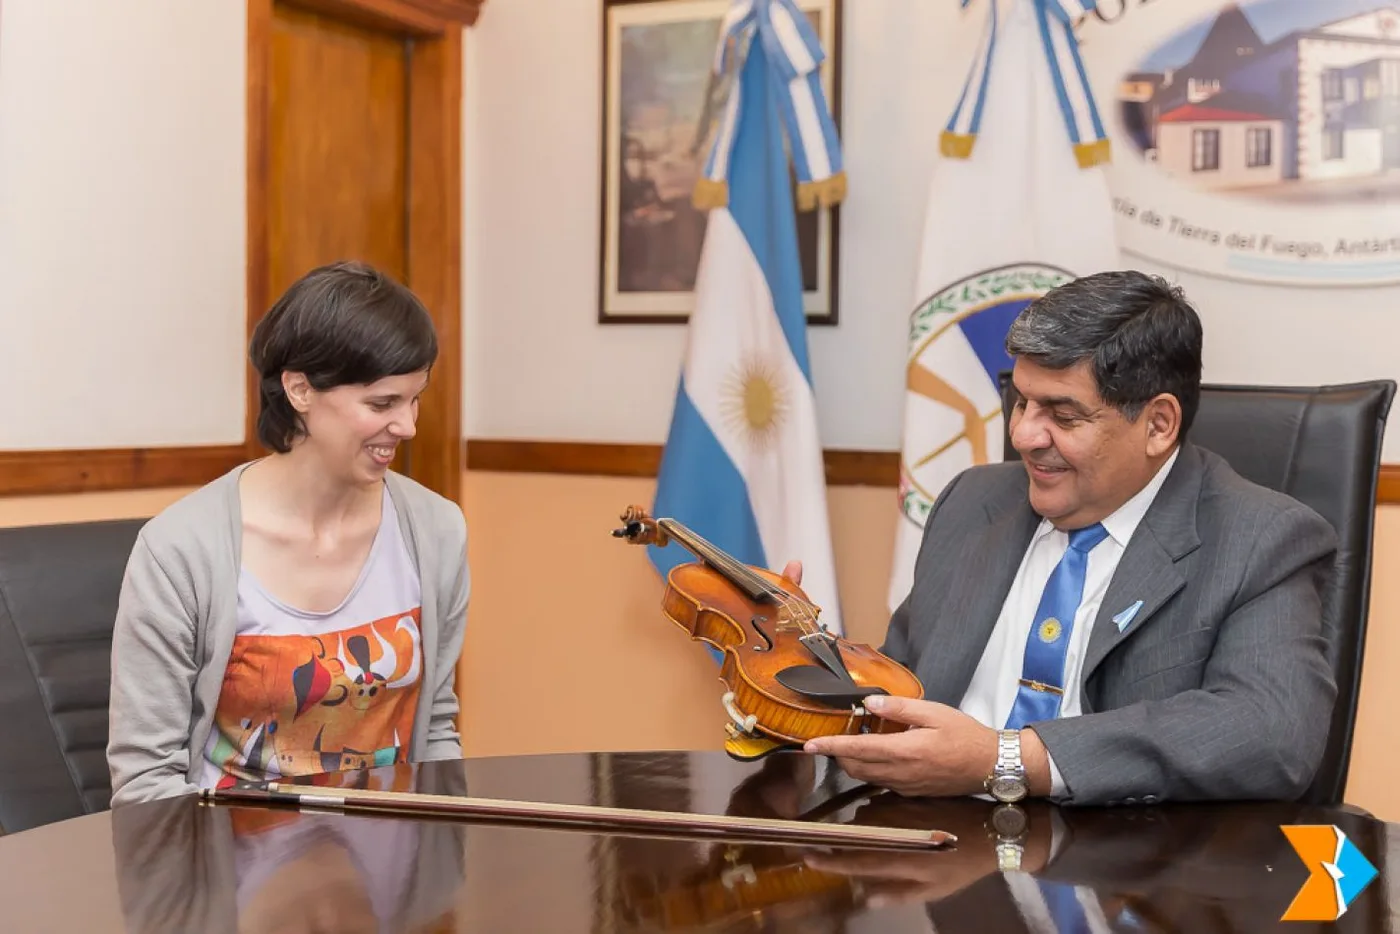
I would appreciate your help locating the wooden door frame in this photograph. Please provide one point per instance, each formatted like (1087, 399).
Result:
(434, 201)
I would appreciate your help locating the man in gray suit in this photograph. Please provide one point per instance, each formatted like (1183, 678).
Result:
(1120, 618)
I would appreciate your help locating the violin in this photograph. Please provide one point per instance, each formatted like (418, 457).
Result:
(787, 678)
(756, 885)
(759, 886)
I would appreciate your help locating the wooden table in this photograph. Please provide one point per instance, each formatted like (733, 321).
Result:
(182, 866)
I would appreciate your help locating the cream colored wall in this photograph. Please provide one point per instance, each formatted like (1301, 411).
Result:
(123, 227)
(566, 648)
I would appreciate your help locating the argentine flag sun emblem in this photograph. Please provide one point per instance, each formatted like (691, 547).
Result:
(755, 401)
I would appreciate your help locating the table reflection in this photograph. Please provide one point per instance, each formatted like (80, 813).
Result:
(1188, 868)
(187, 867)
(183, 866)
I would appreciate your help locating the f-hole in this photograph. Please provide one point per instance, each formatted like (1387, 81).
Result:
(754, 622)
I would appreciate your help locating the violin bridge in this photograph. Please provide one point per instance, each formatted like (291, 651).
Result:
(823, 647)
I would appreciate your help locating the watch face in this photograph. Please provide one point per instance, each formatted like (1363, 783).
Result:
(1009, 820)
(1008, 788)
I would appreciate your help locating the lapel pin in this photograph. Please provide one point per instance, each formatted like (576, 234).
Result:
(1124, 618)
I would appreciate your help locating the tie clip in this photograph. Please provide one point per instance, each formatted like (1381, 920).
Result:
(1042, 687)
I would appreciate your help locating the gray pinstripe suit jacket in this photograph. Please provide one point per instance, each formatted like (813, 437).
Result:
(1219, 687)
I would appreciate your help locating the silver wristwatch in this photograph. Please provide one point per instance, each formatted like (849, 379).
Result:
(1007, 783)
(1009, 826)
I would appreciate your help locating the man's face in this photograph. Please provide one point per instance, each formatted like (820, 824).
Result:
(1083, 457)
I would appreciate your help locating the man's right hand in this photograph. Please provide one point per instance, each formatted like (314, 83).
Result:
(793, 571)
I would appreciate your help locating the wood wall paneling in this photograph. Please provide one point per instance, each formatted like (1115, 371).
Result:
(40, 472)
(1388, 490)
(33, 473)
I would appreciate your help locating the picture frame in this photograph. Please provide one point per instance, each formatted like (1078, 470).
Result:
(661, 105)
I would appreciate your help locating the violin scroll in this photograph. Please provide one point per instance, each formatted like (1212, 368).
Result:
(640, 528)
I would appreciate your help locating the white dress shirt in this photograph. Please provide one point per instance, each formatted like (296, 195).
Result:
(992, 691)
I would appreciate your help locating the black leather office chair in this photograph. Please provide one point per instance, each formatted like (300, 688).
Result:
(1322, 446)
(58, 598)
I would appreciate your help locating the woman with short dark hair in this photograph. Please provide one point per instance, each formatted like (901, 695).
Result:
(303, 613)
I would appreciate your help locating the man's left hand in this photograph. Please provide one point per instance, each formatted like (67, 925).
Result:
(945, 752)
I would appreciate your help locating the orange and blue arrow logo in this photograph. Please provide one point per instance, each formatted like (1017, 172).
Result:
(1337, 872)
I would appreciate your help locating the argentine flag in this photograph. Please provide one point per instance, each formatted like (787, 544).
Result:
(743, 463)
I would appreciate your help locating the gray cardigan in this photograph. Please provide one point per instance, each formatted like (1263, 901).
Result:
(177, 617)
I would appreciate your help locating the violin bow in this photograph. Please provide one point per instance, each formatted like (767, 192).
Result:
(580, 816)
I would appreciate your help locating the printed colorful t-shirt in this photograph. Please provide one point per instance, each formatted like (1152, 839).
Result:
(322, 692)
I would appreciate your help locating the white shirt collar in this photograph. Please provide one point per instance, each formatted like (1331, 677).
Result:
(1125, 519)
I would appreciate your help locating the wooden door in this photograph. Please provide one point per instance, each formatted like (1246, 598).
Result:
(338, 137)
(354, 153)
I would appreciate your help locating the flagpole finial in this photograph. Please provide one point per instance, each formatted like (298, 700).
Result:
(779, 32)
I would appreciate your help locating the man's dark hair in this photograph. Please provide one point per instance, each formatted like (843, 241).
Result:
(1139, 333)
(340, 325)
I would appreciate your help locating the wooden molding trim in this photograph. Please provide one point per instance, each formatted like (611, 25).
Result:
(843, 468)
(32, 473)
(566, 457)
(451, 11)
(409, 17)
(1388, 489)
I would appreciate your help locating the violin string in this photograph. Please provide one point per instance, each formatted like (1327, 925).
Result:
(799, 611)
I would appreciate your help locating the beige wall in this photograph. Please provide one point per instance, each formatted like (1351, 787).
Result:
(567, 650)
(122, 259)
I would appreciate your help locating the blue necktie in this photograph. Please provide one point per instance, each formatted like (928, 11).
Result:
(1043, 672)
(1065, 908)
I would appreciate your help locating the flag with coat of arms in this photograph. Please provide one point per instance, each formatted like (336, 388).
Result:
(742, 465)
(1017, 205)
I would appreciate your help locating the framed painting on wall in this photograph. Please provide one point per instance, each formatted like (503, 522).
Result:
(661, 107)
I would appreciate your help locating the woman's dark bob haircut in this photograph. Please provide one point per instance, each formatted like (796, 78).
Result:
(346, 324)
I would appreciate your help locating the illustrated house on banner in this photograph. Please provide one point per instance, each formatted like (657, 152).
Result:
(1315, 104)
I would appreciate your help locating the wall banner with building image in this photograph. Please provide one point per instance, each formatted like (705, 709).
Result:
(1256, 140)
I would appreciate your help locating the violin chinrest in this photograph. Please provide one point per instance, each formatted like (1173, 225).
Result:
(820, 684)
